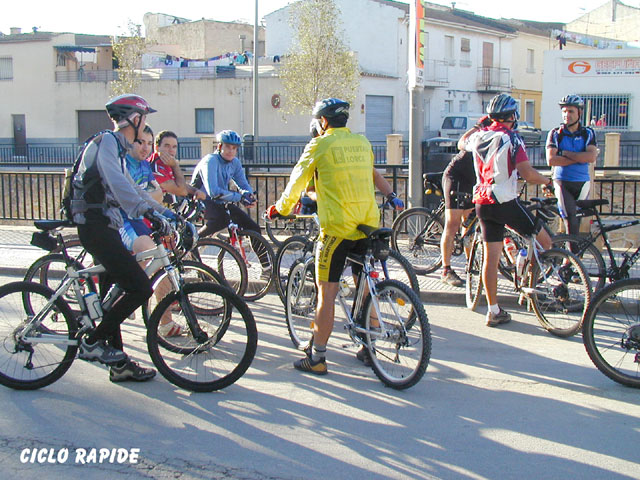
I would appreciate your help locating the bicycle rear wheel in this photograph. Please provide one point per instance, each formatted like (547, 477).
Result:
(559, 291)
(611, 331)
(399, 357)
(301, 302)
(473, 285)
(588, 254)
(51, 270)
(225, 260)
(416, 236)
(30, 363)
(259, 260)
(292, 249)
(217, 351)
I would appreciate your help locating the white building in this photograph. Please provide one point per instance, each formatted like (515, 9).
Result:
(608, 80)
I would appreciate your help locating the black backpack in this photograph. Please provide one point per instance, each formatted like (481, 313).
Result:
(72, 190)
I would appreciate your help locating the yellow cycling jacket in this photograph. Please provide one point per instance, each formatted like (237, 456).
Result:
(341, 163)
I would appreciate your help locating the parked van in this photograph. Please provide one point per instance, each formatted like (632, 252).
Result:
(455, 124)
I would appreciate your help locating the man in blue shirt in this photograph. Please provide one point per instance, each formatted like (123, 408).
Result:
(570, 149)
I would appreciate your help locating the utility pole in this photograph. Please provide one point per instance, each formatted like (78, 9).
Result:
(416, 100)
(255, 77)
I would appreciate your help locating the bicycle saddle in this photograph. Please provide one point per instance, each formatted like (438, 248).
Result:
(48, 225)
(592, 203)
(375, 233)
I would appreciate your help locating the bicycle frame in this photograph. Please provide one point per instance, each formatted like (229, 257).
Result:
(160, 259)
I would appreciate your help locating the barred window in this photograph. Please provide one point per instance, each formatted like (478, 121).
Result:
(608, 112)
(6, 68)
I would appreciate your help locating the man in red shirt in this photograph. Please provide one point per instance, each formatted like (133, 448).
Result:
(167, 169)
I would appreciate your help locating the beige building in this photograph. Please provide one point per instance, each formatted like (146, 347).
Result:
(199, 39)
(613, 20)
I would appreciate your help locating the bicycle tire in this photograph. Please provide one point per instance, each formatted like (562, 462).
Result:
(291, 250)
(400, 358)
(416, 236)
(588, 254)
(561, 296)
(260, 264)
(191, 272)
(59, 320)
(610, 331)
(222, 358)
(399, 268)
(301, 302)
(51, 270)
(473, 284)
(225, 260)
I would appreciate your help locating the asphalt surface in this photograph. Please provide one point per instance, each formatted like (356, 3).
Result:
(503, 403)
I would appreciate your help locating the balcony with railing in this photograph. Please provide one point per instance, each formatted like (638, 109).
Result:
(436, 73)
(494, 80)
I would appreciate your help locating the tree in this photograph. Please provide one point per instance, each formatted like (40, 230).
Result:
(128, 50)
(319, 64)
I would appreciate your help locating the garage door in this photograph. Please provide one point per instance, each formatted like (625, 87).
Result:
(379, 117)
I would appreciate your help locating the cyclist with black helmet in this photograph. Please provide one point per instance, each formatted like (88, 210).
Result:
(341, 164)
(499, 155)
(102, 187)
(570, 149)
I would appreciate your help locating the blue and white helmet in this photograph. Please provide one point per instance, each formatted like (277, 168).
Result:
(230, 137)
(572, 101)
(502, 106)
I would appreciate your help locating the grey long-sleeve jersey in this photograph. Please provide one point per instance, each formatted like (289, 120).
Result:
(119, 188)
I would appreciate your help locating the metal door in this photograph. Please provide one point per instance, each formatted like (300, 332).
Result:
(19, 135)
(379, 117)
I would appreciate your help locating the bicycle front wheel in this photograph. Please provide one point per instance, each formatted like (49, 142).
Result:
(473, 285)
(301, 302)
(611, 331)
(400, 351)
(216, 350)
(416, 236)
(225, 260)
(292, 249)
(42, 355)
(560, 292)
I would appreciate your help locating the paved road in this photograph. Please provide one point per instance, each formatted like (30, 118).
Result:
(512, 402)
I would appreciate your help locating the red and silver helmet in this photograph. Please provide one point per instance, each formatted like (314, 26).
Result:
(122, 106)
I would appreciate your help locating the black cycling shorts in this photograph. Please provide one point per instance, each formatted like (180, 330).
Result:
(494, 217)
(452, 184)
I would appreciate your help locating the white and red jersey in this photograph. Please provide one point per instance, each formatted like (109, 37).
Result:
(496, 152)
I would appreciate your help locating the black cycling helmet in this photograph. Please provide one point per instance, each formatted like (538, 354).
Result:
(229, 136)
(120, 107)
(330, 108)
(502, 106)
(572, 101)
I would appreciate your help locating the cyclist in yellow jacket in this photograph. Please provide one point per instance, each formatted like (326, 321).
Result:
(341, 165)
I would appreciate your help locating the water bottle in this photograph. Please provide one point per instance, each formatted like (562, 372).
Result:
(510, 249)
(521, 262)
(94, 309)
(344, 288)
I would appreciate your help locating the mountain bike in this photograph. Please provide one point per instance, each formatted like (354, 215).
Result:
(386, 316)
(611, 331)
(395, 266)
(553, 282)
(40, 334)
(281, 229)
(584, 247)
